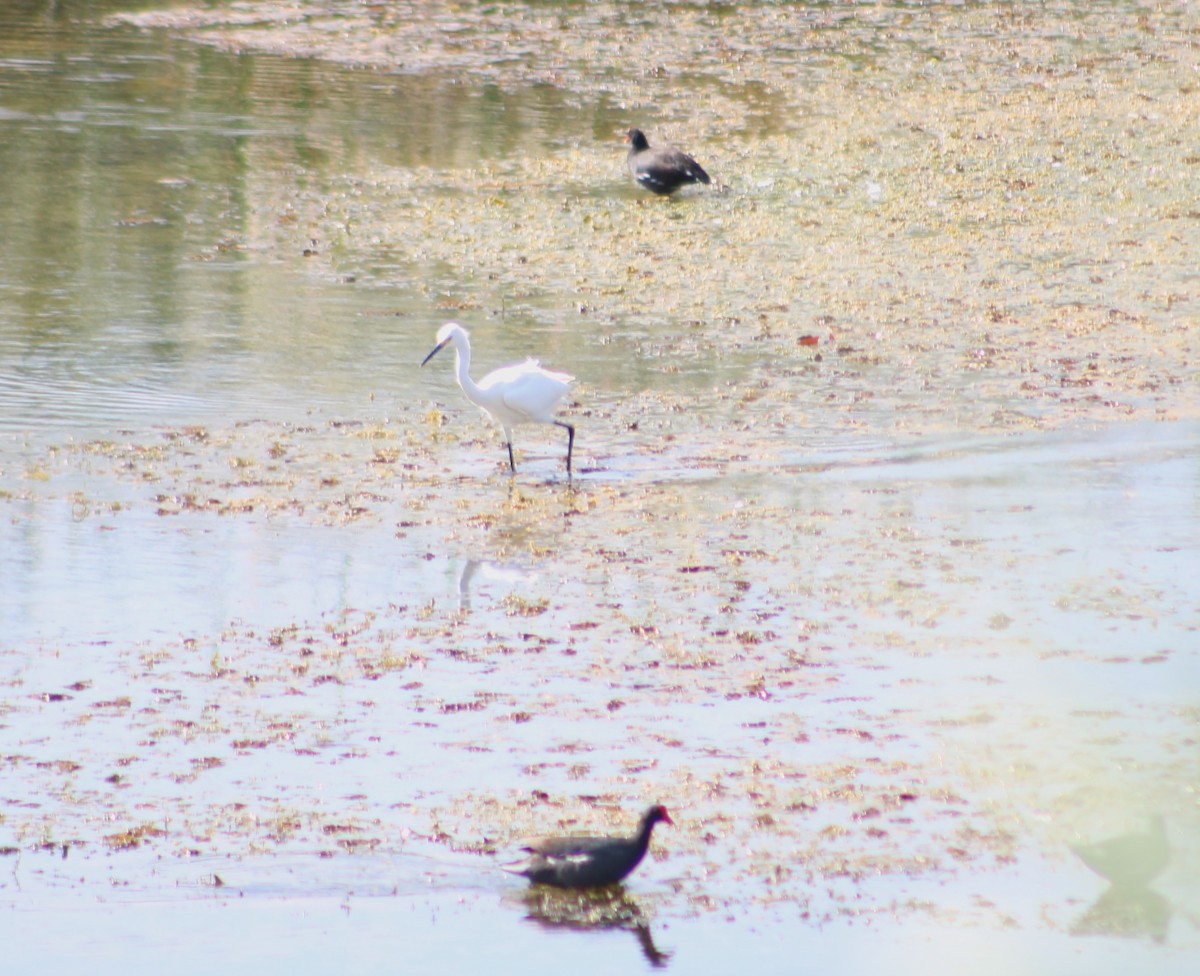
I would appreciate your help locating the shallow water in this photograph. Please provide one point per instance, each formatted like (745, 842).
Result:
(888, 617)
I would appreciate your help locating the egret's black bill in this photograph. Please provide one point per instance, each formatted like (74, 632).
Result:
(433, 352)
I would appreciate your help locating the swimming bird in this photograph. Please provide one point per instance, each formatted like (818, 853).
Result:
(1130, 860)
(523, 393)
(587, 862)
(663, 169)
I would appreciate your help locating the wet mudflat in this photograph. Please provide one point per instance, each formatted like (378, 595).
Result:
(879, 570)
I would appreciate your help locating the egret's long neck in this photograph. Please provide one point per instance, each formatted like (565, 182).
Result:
(462, 368)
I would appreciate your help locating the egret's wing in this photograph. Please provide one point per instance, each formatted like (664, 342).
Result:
(507, 375)
(529, 392)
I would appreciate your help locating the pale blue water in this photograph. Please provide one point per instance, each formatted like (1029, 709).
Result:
(1003, 605)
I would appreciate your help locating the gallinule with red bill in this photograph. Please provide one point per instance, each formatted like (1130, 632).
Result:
(587, 862)
(662, 169)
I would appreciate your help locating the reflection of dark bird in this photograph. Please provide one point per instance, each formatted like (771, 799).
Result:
(596, 910)
(663, 169)
(1126, 912)
(1131, 860)
(655, 956)
(586, 862)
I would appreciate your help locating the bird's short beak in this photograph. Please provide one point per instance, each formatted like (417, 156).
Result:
(433, 352)
(667, 818)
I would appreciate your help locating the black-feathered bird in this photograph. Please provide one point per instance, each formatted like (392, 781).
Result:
(661, 169)
(586, 862)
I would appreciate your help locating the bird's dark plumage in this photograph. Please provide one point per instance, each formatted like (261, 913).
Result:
(587, 862)
(661, 169)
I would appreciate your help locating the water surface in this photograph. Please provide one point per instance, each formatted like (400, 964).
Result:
(880, 567)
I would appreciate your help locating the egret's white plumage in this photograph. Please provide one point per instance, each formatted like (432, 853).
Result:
(523, 393)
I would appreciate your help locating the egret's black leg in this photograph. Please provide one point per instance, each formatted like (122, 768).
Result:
(570, 442)
(511, 464)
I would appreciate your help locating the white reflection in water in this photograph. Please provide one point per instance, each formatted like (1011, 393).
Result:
(474, 574)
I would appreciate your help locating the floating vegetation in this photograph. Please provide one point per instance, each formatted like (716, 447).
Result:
(817, 584)
(129, 839)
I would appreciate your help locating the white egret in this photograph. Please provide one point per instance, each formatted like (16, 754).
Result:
(523, 393)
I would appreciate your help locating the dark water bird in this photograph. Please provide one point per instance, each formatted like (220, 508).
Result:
(661, 169)
(523, 393)
(1130, 860)
(587, 862)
